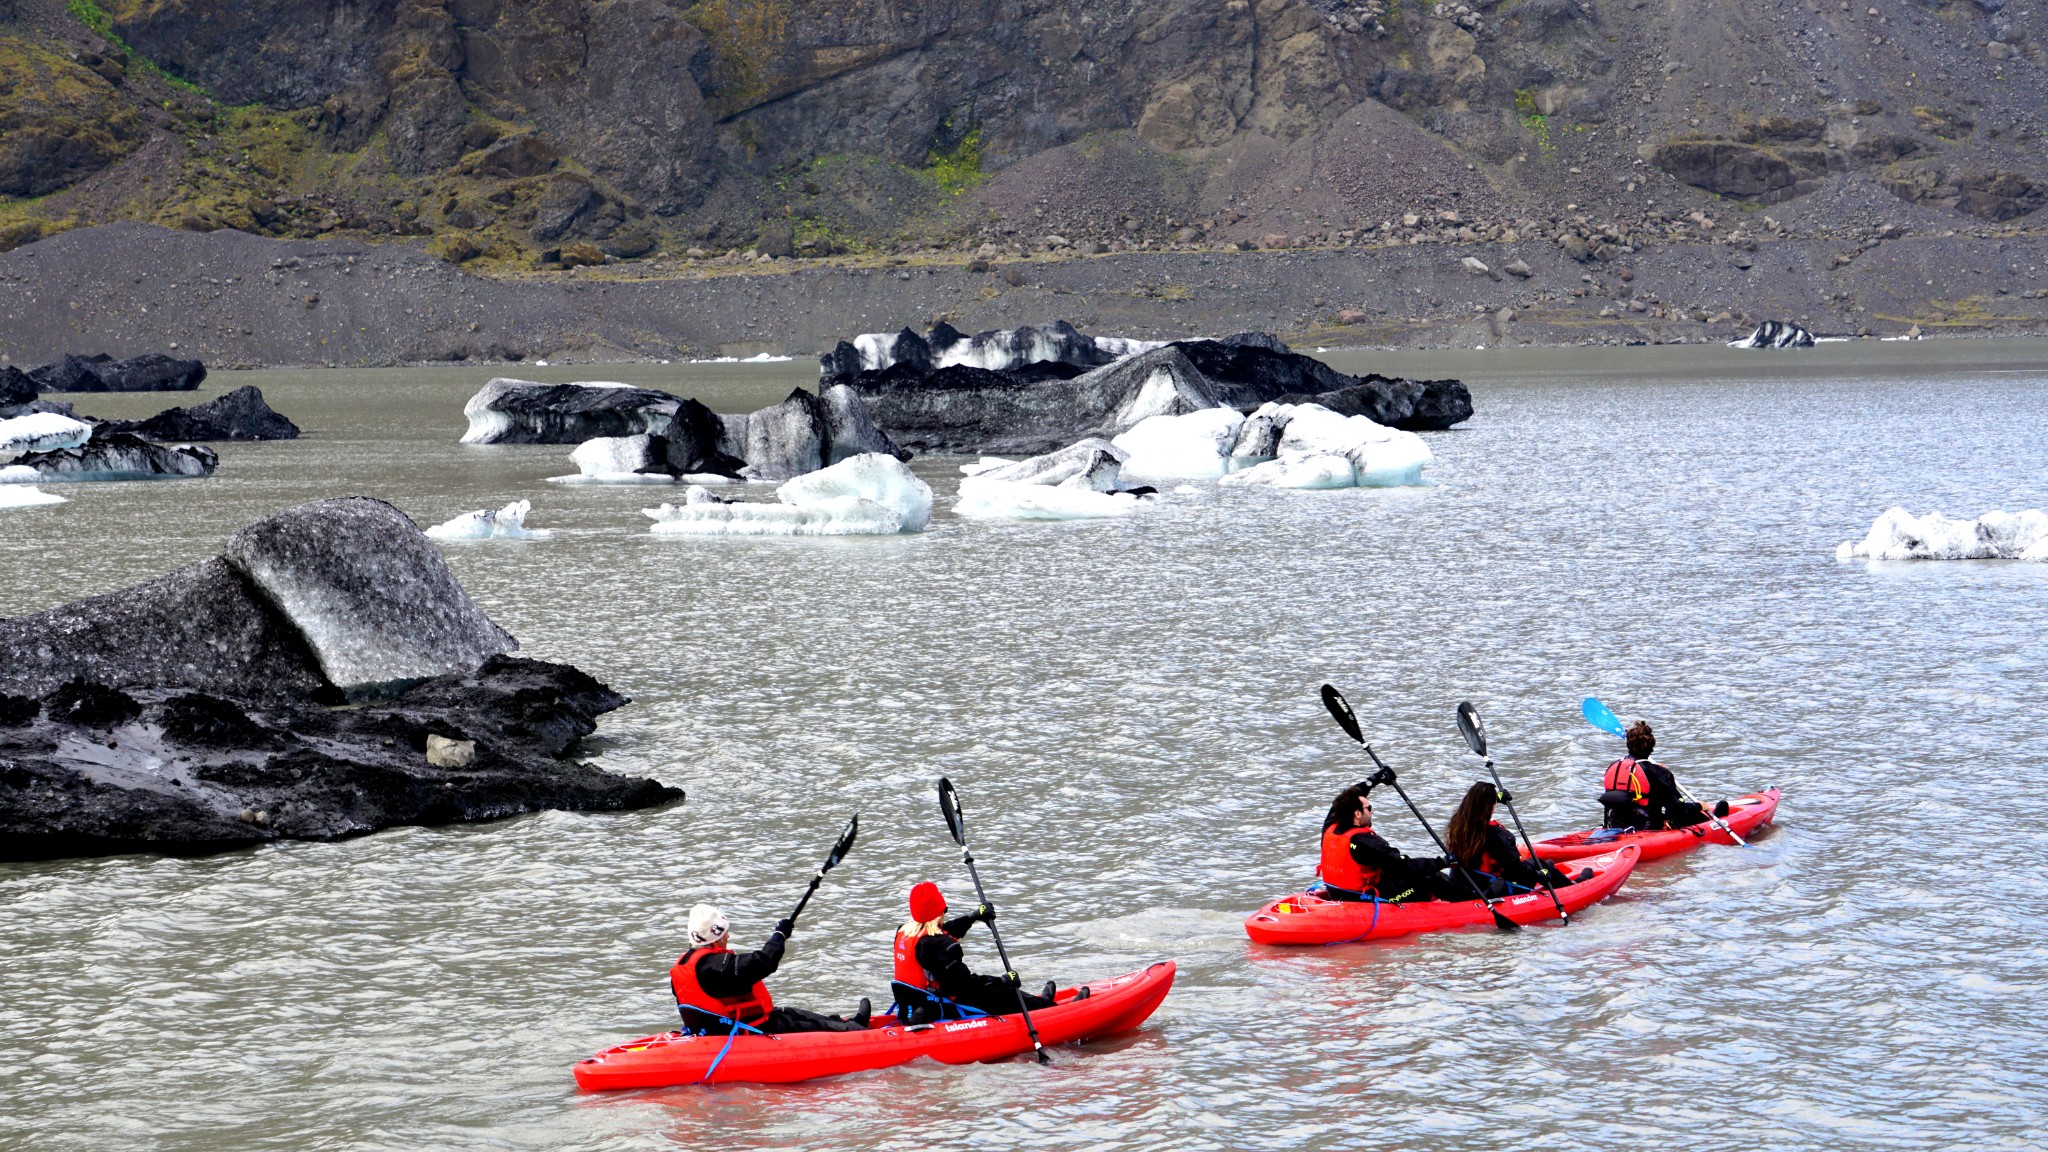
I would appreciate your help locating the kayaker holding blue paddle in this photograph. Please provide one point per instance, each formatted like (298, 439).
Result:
(1638, 792)
(715, 985)
(1358, 865)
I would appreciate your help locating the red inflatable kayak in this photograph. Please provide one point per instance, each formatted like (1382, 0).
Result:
(1306, 919)
(671, 1058)
(1745, 815)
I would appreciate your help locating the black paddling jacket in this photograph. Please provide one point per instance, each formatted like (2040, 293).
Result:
(940, 956)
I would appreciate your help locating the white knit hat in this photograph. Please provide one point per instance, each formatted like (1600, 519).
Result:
(707, 925)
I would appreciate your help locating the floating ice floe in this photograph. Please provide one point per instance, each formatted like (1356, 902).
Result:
(18, 488)
(1775, 334)
(1191, 446)
(1309, 446)
(760, 358)
(1900, 535)
(1078, 482)
(507, 523)
(618, 460)
(873, 494)
(41, 432)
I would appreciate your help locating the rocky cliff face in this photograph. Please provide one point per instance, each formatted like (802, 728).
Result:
(505, 130)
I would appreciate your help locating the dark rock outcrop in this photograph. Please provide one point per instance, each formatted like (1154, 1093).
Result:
(153, 372)
(1751, 171)
(17, 391)
(508, 411)
(1045, 405)
(696, 442)
(237, 415)
(116, 455)
(193, 712)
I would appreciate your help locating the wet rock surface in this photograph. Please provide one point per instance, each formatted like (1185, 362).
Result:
(200, 710)
(238, 415)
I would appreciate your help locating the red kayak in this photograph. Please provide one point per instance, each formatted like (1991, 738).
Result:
(1745, 815)
(672, 1058)
(1308, 919)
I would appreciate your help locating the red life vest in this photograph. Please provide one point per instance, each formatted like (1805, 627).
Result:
(908, 970)
(751, 1007)
(1338, 869)
(1625, 775)
(1487, 862)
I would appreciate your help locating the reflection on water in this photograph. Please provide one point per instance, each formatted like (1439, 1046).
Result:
(1128, 708)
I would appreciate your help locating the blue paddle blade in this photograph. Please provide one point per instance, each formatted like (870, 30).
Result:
(1599, 717)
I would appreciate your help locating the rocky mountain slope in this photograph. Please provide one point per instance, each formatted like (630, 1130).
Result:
(583, 130)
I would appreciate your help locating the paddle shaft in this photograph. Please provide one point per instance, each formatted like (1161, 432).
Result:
(808, 893)
(1440, 845)
(967, 858)
(1718, 822)
(1602, 717)
(1534, 859)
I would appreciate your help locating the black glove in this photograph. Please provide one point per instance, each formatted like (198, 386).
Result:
(1383, 776)
(785, 928)
(1503, 796)
(985, 914)
(1014, 980)
(1440, 863)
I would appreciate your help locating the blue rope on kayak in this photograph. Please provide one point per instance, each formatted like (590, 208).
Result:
(730, 1036)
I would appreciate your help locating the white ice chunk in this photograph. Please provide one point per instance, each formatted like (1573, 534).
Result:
(580, 480)
(604, 455)
(1022, 500)
(984, 464)
(1192, 446)
(1317, 448)
(1298, 470)
(868, 495)
(1900, 535)
(21, 495)
(41, 432)
(19, 474)
(1093, 464)
(507, 523)
(707, 478)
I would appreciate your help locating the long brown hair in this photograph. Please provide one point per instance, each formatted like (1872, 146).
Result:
(1467, 834)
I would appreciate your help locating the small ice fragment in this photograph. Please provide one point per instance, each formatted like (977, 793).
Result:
(1899, 535)
(867, 495)
(507, 523)
(20, 495)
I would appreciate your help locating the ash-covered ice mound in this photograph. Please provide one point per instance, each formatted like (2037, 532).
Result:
(40, 432)
(112, 455)
(509, 411)
(507, 523)
(869, 495)
(194, 711)
(1056, 386)
(238, 415)
(1775, 334)
(152, 372)
(1900, 535)
(1080, 482)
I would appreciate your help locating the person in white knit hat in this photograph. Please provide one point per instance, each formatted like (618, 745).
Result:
(715, 986)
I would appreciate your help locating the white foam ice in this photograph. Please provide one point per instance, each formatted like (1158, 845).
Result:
(1900, 535)
(19, 474)
(758, 358)
(41, 432)
(507, 523)
(20, 494)
(984, 464)
(1019, 500)
(1191, 446)
(873, 494)
(1314, 447)
(582, 479)
(1122, 346)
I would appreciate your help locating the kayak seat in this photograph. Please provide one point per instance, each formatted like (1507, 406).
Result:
(698, 1022)
(916, 1005)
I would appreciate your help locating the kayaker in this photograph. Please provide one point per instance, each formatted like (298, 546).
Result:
(711, 981)
(1638, 792)
(1489, 852)
(1358, 865)
(928, 956)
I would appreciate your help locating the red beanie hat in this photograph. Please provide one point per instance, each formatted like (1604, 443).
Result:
(926, 903)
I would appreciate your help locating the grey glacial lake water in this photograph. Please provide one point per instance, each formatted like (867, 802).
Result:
(1129, 710)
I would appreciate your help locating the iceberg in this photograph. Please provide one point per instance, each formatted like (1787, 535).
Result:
(1309, 446)
(1900, 535)
(1078, 482)
(507, 523)
(1190, 446)
(873, 494)
(19, 494)
(637, 459)
(41, 432)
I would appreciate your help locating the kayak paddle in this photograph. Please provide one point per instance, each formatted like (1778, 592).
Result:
(949, 806)
(1601, 717)
(839, 852)
(1340, 709)
(1474, 729)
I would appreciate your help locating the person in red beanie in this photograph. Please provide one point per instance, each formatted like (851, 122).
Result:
(928, 956)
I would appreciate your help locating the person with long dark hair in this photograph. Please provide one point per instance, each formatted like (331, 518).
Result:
(1489, 853)
(1358, 865)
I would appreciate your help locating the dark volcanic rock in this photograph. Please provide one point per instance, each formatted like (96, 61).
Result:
(153, 372)
(696, 442)
(17, 391)
(202, 626)
(237, 415)
(116, 455)
(508, 411)
(84, 704)
(370, 594)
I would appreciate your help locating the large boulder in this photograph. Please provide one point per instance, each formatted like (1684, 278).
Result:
(203, 626)
(373, 599)
(116, 455)
(509, 411)
(237, 415)
(1750, 171)
(153, 372)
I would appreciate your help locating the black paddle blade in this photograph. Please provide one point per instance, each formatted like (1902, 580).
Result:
(1503, 923)
(1473, 727)
(845, 844)
(949, 806)
(1340, 709)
